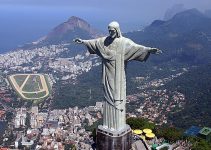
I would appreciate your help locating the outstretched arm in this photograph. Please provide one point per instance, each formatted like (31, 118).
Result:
(155, 51)
(90, 44)
(138, 52)
(78, 40)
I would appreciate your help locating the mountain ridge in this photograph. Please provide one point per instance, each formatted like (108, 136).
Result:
(66, 32)
(186, 37)
(71, 24)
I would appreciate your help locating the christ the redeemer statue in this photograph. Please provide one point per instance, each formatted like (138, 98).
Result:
(115, 50)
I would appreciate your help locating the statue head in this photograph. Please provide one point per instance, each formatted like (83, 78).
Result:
(114, 30)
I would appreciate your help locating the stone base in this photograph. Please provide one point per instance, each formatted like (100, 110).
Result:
(114, 140)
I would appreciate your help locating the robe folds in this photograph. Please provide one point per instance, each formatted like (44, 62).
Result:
(114, 55)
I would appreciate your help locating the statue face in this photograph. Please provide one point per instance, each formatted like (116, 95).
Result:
(112, 33)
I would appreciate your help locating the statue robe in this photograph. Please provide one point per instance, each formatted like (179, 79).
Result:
(114, 55)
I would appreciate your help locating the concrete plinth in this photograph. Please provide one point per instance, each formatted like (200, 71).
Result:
(114, 140)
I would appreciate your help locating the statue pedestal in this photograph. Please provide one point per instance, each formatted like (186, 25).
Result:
(114, 140)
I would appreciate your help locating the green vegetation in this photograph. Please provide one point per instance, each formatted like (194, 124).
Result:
(199, 144)
(195, 85)
(20, 79)
(140, 123)
(85, 93)
(48, 83)
(70, 147)
(70, 95)
(35, 95)
(171, 134)
(33, 84)
(164, 148)
(93, 128)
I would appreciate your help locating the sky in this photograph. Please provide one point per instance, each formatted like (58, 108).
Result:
(26, 20)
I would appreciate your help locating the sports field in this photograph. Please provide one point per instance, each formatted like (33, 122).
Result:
(30, 86)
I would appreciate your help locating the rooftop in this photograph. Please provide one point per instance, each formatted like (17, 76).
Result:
(205, 131)
(192, 131)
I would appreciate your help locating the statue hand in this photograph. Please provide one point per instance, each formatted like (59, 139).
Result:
(78, 40)
(155, 51)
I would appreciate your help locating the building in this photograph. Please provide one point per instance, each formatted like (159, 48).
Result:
(38, 119)
(192, 131)
(99, 105)
(205, 133)
(26, 142)
(33, 122)
(18, 141)
(34, 110)
(20, 118)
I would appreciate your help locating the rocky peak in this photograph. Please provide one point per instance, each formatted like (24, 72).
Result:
(190, 13)
(70, 25)
(77, 22)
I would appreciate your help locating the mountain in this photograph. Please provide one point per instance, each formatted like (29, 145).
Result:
(186, 42)
(208, 13)
(72, 28)
(185, 38)
(173, 11)
(64, 33)
(196, 85)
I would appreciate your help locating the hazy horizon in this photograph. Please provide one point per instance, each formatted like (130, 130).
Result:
(27, 20)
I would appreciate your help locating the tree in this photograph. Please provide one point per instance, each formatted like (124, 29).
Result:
(93, 128)
(171, 134)
(200, 144)
(9, 116)
(140, 123)
(70, 147)
(164, 148)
